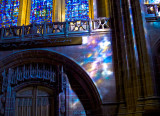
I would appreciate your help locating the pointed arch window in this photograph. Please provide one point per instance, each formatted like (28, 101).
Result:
(41, 10)
(76, 10)
(9, 10)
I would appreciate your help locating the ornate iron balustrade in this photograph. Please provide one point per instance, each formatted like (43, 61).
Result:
(152, 12)
(51, 34)
(54, 29)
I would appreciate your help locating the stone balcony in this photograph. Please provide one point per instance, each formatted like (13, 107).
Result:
(51, 34)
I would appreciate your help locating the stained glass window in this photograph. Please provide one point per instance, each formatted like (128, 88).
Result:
(9, 10)
(41, 10)
(77, 10)
(154, 1)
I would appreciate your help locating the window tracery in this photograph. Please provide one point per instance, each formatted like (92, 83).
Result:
(40, 11)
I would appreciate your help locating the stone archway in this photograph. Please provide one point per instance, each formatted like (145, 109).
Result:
(80, 82)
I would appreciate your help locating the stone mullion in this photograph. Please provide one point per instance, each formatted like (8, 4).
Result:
(120, 63)
(63, 11)
(132, 80)
(58, 11)
(91, 10)
(107, 4)
(24, 12)
(145, 71)
(150, 101)
(103, 8)
(116, 63)
(53, 11)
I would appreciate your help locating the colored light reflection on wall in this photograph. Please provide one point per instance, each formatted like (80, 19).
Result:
(76, 10)
(75, 106)
(9, 10)
(98, 61)
(95, 57)
(41, 10)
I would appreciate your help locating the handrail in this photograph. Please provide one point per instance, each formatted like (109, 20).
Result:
(152, 12)
(54, 29)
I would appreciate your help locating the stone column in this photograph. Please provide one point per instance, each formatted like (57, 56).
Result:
(91, 10)
(143, 56)
(103, 7)
(131, 89)
(119, 55)
(24, 12)
(54, 10)
(59, 11)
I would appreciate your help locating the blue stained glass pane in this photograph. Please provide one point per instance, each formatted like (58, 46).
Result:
(41, 10)
(77, 10)
(154, 1)
(9, 10)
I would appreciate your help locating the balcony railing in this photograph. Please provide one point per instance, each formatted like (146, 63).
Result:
(21, 36)
(60, 29)
(152, 12)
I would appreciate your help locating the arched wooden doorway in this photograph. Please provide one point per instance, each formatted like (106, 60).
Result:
(35, 101)
(79, 80)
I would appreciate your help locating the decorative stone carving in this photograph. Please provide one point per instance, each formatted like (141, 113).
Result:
(13, 76)
(32, 71)
(63, 95)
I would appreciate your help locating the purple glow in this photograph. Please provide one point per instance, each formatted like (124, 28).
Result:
(95, 57)
(75, 106)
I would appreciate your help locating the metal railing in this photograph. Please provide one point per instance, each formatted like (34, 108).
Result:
(152, 12)
(54, 29)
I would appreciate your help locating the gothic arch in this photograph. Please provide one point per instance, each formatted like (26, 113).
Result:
(80, 81)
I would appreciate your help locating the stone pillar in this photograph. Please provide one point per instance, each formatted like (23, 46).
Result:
(146, 82)
(130, 84)
(59, 11)
(24, 12)
(131, 81)
(119, 55)
(54, 10)
(142, 49)
(103, 8)
(91, 10)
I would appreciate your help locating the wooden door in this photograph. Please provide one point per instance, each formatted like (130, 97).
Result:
(35, 101)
